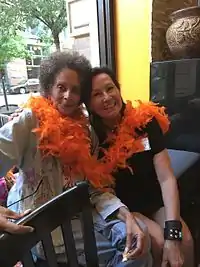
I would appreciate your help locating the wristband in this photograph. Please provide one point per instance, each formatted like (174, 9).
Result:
(173, 230)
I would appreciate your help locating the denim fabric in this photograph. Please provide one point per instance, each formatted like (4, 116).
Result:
(111, 240)
(110, 249)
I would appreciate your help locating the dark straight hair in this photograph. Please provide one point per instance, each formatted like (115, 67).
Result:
(87, 90)
(96, 120)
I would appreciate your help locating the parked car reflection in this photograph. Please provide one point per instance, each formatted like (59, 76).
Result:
(27, 86)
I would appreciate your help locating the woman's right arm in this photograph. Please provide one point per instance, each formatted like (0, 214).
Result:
(14, 141)
(108, 205)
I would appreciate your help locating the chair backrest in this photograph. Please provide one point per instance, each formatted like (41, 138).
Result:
(57, 212)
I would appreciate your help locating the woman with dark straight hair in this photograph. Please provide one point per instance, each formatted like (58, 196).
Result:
(132, 139)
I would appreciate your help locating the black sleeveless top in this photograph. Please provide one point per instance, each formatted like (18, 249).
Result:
(140, 191)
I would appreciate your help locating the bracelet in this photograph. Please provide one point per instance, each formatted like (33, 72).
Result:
(174, 224)
(173, 230)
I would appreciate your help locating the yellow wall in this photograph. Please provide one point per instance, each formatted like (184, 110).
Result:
(133, 41)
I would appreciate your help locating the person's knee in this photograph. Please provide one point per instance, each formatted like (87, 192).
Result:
(187, 245)
(157, 240)
(187, 238)
(155, 232)
(146, 234)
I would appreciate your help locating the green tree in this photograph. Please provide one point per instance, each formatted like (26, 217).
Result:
(11, 47)
(52, 13)
(11, 42)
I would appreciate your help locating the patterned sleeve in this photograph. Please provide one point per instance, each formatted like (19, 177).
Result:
(106, 203)
(14, 140)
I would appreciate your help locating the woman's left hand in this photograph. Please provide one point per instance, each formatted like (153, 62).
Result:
(172, 254)
(136, 239)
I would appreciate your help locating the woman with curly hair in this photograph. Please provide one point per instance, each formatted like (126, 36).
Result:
(52, 143)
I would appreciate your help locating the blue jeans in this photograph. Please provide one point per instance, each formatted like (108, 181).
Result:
(110, 255)
(111, 240)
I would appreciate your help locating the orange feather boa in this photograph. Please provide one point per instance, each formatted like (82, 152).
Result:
(126, 142)
(67, 139)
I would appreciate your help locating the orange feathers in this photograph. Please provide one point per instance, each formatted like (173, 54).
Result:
(67, 139)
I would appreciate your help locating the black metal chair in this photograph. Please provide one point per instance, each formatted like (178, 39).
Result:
(57, 212)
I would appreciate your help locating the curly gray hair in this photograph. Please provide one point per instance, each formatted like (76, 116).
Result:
(51, 66)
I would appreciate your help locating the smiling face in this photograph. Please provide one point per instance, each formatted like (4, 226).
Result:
(65, 92)
(106, 100)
